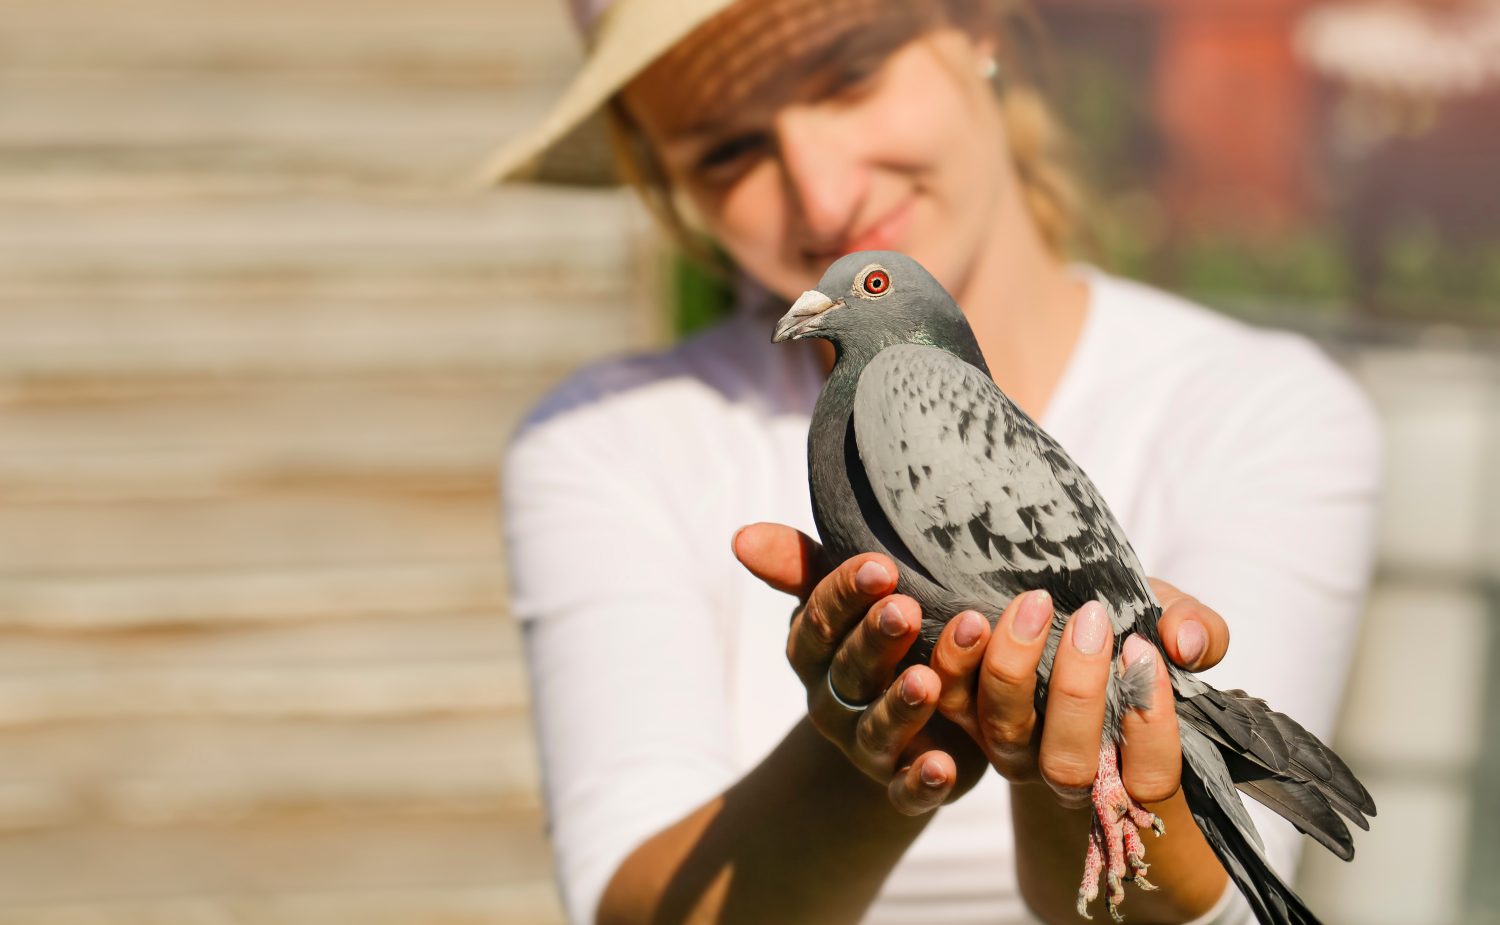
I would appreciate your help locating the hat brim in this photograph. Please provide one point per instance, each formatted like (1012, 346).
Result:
(571, 144)
(582, 156)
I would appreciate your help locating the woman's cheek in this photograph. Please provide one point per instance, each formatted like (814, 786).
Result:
(749, 221)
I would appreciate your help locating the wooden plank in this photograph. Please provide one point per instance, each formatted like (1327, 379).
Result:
(273, 856)
(374, 690)
(331, 774)
(537, 335)
(318, 21)
(240, 596)
(328, 641)
(276, 528)
(561, 234)
(313, 417)
(84, 756)
(533, 903)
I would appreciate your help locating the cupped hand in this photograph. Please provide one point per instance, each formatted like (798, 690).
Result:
(995, 704)
(849, 634)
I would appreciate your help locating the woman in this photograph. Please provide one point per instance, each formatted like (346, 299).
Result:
(689, 775)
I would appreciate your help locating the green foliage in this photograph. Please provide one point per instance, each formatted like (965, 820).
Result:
(701, 296)
(1106, 114)
(1418, 275)
(1309, 265)
(1422, 274)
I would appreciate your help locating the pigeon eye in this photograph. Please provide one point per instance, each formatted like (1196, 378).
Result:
(877, 282)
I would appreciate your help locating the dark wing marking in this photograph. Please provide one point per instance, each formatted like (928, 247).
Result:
(981, 495)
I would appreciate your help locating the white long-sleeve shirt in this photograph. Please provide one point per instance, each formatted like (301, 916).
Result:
(1241, 462)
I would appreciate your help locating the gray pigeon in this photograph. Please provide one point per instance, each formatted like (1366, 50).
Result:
(914, 452)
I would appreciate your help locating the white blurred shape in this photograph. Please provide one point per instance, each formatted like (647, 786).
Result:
(1409, 869)
(1435, 407)
(1402, 48)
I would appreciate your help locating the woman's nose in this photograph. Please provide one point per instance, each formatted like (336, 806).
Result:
(823, 174)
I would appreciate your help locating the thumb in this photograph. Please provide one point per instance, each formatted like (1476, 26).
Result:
(783, 557)
(1194, 634)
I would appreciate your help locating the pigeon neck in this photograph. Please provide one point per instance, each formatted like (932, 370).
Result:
(851, 355)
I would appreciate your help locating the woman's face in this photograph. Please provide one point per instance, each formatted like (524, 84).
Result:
(801, 131)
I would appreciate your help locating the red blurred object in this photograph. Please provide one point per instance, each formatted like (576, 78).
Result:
(1233, 107)
(1249, 103)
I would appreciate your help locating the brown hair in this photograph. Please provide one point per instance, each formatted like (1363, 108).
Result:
(1039, 147)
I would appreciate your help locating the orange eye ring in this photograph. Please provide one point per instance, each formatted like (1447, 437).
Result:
(877, 282)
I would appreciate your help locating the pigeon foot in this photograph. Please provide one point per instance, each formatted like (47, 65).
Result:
(1115, 847)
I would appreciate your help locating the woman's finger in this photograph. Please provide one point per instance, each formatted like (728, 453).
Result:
(956, 659)
(836, 604)
(1071, 731)
(886, 729)
(923, 785)
(864, 664)
(1007, 679)
(1194, 634)
(784, 558)
(1151, 755)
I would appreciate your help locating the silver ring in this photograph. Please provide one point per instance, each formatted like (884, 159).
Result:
(851, 707)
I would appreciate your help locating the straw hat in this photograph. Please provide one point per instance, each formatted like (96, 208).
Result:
(571, 144)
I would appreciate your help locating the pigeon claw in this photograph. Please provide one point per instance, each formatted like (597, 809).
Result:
(1115, 851)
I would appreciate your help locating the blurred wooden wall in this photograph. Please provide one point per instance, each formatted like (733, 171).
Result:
(258, 358)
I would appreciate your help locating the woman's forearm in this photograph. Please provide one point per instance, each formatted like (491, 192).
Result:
(803, 837)
(1052, 840)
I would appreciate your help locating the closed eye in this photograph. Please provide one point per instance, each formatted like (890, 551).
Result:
(853, 74)
(731, 152)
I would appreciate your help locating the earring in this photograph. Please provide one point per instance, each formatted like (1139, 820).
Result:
(989, 69)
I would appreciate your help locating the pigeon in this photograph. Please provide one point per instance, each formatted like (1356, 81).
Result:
(915, 453)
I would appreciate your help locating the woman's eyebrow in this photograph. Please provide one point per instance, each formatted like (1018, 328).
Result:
(701, 130)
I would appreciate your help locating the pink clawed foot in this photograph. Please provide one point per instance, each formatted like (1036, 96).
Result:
(1115, 846)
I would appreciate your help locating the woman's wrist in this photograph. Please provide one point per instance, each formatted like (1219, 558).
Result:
(1189, 878)
(804, 836)
(846, 794)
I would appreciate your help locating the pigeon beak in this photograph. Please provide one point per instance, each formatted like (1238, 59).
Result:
(802, 318)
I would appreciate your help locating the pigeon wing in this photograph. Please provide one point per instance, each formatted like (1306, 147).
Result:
(985, 500)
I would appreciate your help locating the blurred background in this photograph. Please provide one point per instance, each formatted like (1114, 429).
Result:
(259, 353)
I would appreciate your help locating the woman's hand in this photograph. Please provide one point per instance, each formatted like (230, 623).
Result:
(997, 710)
(850, 633)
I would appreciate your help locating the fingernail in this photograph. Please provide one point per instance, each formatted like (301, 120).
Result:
(892, 621)
(911, 690)
(1032, 617)
(734, 541)
(872, 578)
(1192, 642)
(1137, 649)
(970, 626)
(1090, 628)
(932, 775)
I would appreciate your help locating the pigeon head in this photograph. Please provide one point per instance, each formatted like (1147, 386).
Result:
(870, 300)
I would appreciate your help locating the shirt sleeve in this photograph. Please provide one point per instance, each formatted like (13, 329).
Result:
(625, 656)
(1277, 502)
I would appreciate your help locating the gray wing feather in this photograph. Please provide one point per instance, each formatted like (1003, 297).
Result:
(986, 501)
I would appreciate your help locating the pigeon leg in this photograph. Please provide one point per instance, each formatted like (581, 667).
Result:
(1115, 846)
(1093, 866)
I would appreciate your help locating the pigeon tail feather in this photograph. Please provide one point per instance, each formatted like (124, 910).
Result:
(1305, 809)
(1282, 765)
(1220, 815)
